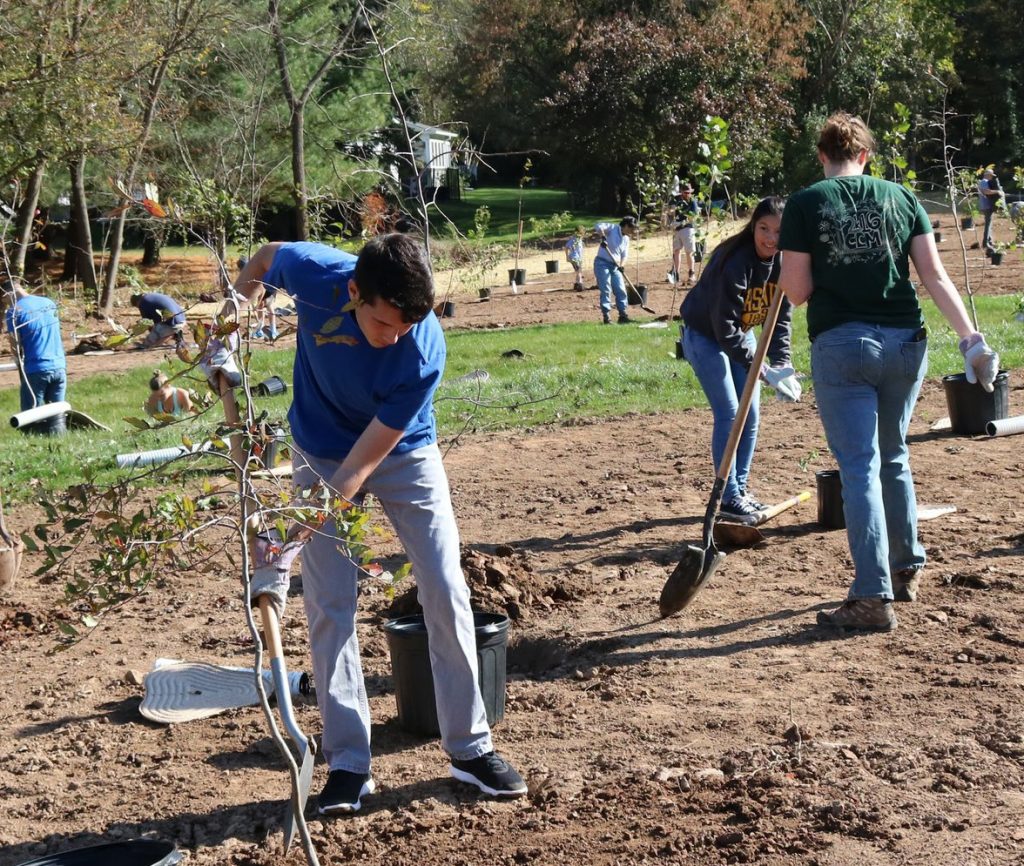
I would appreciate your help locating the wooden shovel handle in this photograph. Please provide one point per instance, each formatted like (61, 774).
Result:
(729, 455)
(775, 510)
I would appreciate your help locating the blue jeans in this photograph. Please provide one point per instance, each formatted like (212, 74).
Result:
(412, 488)
(986, 235)
(45, 387)
(722, 380)
(866, 381)
(609, 278)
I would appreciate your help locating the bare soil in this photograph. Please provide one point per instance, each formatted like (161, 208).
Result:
(735, 732)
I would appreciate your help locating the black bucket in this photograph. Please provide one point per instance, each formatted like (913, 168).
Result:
(967, 223)
(413, 679)
(517, 276)
(448, 310)
(830, 499)
(272, 387)
(938, 237)
(551, 266)
(137, 852)
(971, 407)
(637, 295)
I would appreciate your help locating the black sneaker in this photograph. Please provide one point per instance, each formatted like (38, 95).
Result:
(740, 510)
(624, 319)
(343, 792)
(491, 773)
(606, 317)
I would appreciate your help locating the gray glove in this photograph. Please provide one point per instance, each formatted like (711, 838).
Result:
(272, 563)
(784, 381)
(981, 364)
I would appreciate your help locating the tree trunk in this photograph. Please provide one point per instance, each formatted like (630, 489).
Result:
(78, 260)
(298, 129)
(608, 196)
(106, 301)
(151, 244)
(26, 216)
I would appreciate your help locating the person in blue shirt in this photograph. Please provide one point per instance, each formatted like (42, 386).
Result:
(167, 316)
(609, 264)
(574, 256)
(362, 420)
(33, 329)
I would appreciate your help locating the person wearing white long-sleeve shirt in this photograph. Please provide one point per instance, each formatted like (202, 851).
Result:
(608, 265)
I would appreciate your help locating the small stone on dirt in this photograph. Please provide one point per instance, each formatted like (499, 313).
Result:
(710, 776)
(937, 616)
(134, 677)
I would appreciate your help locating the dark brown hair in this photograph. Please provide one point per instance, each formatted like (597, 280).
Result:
(394, 267)
(773, 205)
(844, 136)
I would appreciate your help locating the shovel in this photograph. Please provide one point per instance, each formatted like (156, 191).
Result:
(699, 563)
(738, 535)
(629, 283)
(302, 777)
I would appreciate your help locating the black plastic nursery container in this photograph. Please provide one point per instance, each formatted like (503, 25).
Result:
(517, 276)
(272, 387)
(137, 852)
(971, 407)
(413, 678)
(637, 296)
(830, 499)
(551, 266)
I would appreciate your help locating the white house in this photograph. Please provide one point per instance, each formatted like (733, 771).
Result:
(433, 150)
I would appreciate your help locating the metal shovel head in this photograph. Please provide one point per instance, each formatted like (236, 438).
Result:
(694, 568)
(737, 534)
(299, 795)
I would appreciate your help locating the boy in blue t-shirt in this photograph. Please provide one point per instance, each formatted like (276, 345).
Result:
(363, 422)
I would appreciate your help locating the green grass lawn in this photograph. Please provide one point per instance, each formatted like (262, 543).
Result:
(566, 371)
(503, 203)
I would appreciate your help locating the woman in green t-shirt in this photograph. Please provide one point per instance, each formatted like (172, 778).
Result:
(847, 242)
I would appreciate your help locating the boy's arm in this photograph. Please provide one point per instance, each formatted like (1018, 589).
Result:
(374, 444)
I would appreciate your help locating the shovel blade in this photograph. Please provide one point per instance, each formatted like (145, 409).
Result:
(693, 570)
(300, 794)
(736, 534)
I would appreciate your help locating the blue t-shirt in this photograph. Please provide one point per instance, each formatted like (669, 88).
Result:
(161, 308)
(38, 331)
(341, 382)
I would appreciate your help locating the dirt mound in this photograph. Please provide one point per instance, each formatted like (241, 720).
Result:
(507, 580)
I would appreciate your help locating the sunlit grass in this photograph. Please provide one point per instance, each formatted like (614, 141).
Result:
(564, 371)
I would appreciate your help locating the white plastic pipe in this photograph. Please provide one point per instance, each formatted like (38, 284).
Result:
(40, 413)
(155, 458)
(1006, 426)
(7, 368)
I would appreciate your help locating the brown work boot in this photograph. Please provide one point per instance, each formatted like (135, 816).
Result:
(905, 583)
(869, 614)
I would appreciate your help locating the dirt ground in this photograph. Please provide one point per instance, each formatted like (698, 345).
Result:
(735, 732)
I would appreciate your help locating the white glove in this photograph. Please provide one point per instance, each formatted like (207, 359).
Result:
(981, 364)
(785, 383)
(273, 566)
(219, 356)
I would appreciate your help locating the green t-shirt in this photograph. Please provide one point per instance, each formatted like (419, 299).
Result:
(857, 230)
